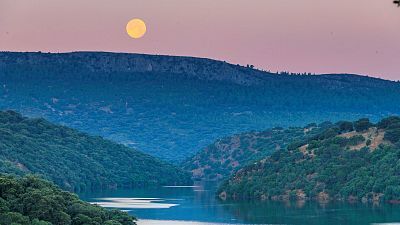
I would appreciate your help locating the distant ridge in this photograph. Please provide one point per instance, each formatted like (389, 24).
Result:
(200, 68)
(171, 106)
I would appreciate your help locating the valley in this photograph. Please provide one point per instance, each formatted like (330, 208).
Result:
(132, 133)
(170, 107)
(227, 112)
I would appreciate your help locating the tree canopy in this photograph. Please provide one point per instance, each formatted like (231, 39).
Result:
(337, 164)
(225, 156)
(33, 201)
(170, 107)
(77, 161)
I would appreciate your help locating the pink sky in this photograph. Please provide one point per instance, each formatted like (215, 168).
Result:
(353, 36)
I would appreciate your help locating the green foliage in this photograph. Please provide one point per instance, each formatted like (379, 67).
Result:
(345, 126)
(393, 135)
(362, 125)
(33, 201)
(170, 107)
(393, 121)
(77, 161)
(392, 127)
(225, 156)
(328, 167)
(355, 140)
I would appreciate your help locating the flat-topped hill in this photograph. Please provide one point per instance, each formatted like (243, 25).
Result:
(171, 107)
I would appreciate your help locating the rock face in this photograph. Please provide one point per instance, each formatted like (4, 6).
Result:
(200, 68)
(171, 107)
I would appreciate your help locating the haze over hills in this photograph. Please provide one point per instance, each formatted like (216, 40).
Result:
(170, 106)
(350, 161)
(77, 161)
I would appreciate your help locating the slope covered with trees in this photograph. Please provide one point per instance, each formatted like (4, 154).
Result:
(33, 201)
(171, 107)
(77, 161)
(351, 161)
(225, 156)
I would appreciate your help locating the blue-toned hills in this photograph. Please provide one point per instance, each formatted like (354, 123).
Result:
(171, 107)
(76, 161)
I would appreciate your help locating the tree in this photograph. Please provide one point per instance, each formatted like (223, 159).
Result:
(328, 165)
(393, 135)
(387, 122)
(33, 201)
(345, 126)
(362, 125)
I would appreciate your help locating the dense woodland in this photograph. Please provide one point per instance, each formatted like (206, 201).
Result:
(77, 161)
(349, 161)
(33, 201)
(171, 107)
(222, 158)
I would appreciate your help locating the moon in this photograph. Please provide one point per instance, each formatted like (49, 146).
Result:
(136, 28)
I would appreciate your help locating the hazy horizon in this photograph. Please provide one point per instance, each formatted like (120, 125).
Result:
(357, 37)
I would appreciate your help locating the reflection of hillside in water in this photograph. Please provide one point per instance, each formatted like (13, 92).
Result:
(302, 212)
(175, 222)
(166, 205)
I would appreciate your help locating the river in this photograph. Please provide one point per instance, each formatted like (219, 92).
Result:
(197, 205)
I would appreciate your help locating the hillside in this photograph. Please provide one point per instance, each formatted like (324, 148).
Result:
(32, 201)
(77, 161)
(352, 161)
(222, 158)
(170, 107)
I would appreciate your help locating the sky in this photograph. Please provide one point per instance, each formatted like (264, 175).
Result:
(339, 36)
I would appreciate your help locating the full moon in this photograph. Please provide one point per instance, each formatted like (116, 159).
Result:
(136, 28)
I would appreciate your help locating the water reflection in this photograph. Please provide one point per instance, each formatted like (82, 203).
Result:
(198, 204)
(175, 222)
(133, 203)
(314, 213)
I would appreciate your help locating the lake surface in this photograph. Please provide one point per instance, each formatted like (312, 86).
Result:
(196, 205)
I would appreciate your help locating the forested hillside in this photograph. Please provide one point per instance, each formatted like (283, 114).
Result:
(351, 161)
(33, 201)
(77, 161)
(171, 107)
(222, 158)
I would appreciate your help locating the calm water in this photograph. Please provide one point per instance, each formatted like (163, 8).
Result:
(197, 206)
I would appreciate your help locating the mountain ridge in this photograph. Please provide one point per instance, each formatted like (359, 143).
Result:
(180, 105)
(137, 62)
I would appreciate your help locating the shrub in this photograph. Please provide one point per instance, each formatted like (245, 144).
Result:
(362, 125)
(393, 135)
(385, 123)
(345, 126)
